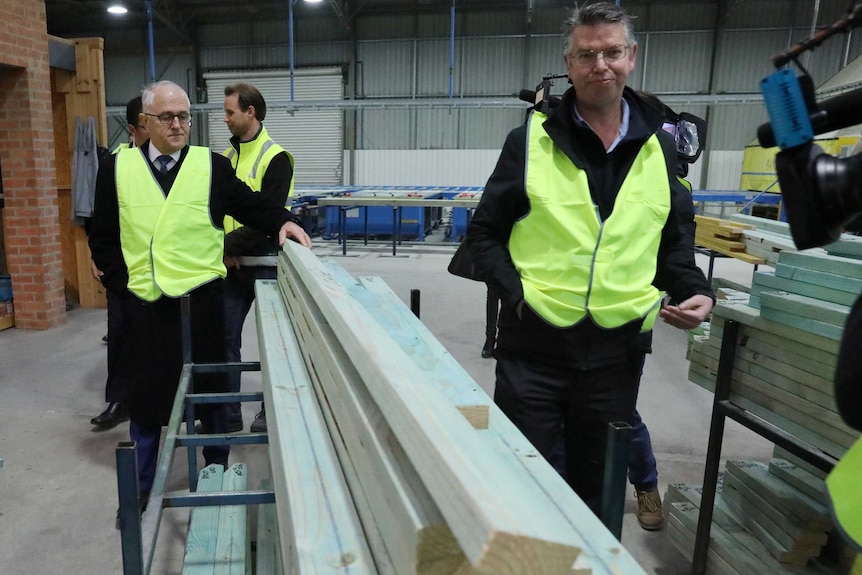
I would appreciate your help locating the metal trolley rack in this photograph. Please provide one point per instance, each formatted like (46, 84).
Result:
(138, 535)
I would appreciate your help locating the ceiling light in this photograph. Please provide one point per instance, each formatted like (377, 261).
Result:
(117, 9)
(313, 1)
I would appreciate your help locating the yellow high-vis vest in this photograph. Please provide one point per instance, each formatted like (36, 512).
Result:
(571, 263)
(250, 165)
(846, 496)
(170, 245)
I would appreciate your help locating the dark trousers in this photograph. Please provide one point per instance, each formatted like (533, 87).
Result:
(643, 472)
(553, 406)
(115, 389)
(146, 438)
(238, 297)
(492, 305)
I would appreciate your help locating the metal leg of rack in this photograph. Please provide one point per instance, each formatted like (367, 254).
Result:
(616, 465)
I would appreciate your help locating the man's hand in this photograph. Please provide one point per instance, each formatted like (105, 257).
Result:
(231, 262)
(94, 271)
(688, 314)
(295, 232)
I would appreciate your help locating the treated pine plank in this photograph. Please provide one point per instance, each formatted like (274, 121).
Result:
(789, 500)
(506, 538)
(781, 551)
(418, 343)
(203, 526)
(752, 317)
(719, 245)
(753, 537)
(232, 553)
(781, 453)
(821, 421)
(762, 224)
(413, 532)
(808, 483)
(768, 281)
(823, 262)
(705, 377)
(816, 327)
(782, 348)
(737, 556)
(804, 307)
(820, 278)
(604, 555)
(683, 540)
(782, 526)
(267, 551)
(316, 518)
(790, 378)
(848, 246)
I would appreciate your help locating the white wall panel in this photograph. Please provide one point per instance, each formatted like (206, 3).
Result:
(725, 170)
(386, 68)
(678, 62)
(424, 167)
(493, 66)
(437, 129)
(744, 57)
(432, 68)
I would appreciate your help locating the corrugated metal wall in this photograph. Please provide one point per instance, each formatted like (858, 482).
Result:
(684, 49)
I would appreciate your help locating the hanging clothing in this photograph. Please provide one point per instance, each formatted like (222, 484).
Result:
(85, 166)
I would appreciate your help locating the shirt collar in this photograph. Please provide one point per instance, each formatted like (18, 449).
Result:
(155, 153)
(624, 125)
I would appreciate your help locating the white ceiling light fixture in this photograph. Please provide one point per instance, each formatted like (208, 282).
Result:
(117, 9)
(313, 1)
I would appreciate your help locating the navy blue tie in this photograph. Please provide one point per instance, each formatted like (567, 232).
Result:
(163, 161)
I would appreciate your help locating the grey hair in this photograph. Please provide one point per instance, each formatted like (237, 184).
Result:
(149, 93)
(594, 14)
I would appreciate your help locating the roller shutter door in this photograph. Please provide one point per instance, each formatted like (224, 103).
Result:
(314, 137)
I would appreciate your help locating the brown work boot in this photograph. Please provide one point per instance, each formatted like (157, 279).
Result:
(649, 510)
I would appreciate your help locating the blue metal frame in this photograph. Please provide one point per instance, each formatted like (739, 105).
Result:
(138, 534)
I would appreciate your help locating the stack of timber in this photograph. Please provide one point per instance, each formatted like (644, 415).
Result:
(788, 346)
(388, 458)
(765, 238)
(785, 357)
(769, 238)
(725, 237)
(738, 544)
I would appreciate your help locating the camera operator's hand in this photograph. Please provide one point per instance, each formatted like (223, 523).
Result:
(688, 314)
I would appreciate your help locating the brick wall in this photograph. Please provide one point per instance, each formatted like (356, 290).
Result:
(33, 253)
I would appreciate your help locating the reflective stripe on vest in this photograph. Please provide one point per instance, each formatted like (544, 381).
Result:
(845, 494)
(254, 158)
(570, 262)
(170, 245)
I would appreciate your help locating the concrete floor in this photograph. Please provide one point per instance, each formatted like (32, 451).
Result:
(58, 485)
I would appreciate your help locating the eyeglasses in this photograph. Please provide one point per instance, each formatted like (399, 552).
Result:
(589, 57)
(167, 118)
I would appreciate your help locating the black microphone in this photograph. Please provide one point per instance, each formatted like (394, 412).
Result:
(530, 97)
(833, 114)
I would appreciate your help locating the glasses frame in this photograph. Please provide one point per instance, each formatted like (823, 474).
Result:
(164, 116)
(592, 56)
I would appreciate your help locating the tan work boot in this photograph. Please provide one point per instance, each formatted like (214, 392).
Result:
(649, 510)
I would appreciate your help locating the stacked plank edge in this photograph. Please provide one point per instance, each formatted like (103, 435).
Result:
(388, 458)
(785, 355)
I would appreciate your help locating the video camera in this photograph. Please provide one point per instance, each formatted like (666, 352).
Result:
(821, 193)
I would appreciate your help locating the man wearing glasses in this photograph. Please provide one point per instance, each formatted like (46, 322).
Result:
(580, 229)
(157, 235)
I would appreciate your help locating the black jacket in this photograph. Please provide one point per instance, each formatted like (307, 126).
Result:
(505, 201)
(247, 241)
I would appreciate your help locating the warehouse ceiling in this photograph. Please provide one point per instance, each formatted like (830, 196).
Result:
(67, 17)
